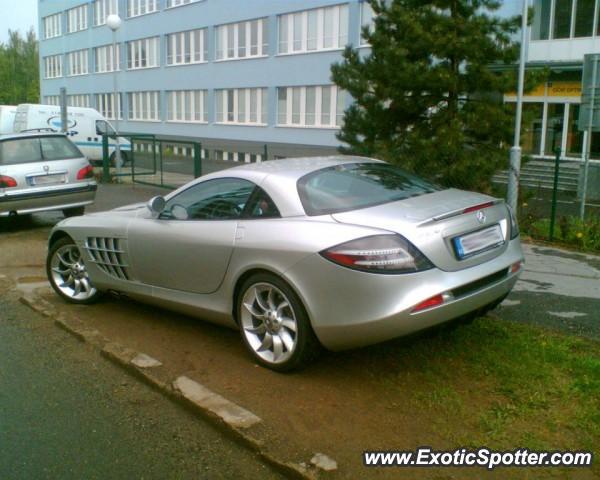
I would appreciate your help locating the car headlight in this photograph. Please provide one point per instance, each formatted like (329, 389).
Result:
(379, 254)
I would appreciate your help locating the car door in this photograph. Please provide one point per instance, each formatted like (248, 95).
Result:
(188, 247)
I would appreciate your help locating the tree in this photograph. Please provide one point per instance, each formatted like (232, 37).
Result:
(19, 69)
(426, 97)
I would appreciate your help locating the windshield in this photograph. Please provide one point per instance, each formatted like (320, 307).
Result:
(37, 149)
(358, 185)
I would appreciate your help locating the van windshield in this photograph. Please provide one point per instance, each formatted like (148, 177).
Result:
(37, 149)
(352, 186)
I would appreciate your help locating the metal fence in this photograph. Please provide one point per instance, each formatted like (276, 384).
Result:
(172, 162)
(551, 193)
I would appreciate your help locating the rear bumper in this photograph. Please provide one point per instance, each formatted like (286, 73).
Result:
(49, 198)
(351, 309)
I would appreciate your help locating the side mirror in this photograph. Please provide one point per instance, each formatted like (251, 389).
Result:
(156, 205)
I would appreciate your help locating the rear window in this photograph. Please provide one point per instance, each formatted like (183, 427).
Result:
(37, 149)
(358, 185)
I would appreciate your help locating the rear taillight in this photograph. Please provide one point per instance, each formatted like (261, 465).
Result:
(7, 182)
(85, 172)
(514, 226)
(379, 254)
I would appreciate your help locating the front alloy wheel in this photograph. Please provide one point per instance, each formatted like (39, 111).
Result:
(68, 274)
(274, 324)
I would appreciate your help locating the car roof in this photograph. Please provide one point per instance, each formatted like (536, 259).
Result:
(13, 136)
(293, 167)
(279, 177)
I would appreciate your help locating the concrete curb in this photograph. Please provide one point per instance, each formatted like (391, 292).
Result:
(238, 423)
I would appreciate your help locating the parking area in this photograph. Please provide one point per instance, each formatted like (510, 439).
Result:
(504, 381)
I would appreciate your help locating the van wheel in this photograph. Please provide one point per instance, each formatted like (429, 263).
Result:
(74, 212)
(113, 159)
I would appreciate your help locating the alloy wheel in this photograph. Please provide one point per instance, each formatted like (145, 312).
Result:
(69, 273)
(269, 323)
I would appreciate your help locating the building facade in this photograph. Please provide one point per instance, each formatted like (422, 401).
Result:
(561, 33)
(253, 71)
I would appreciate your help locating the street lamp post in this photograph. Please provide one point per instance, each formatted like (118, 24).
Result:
(512, 194)
(114, 23)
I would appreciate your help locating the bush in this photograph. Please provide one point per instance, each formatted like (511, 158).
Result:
(570, 230)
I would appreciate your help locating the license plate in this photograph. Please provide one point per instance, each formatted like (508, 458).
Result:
(48, 179)
(475, 242)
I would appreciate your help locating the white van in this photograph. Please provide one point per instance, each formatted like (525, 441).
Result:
(7, 118)
(85, 126)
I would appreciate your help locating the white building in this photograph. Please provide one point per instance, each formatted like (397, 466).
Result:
(562, 32)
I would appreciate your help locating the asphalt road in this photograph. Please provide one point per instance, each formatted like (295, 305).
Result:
(67, 413)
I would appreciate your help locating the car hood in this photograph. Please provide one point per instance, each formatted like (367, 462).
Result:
(132, 210)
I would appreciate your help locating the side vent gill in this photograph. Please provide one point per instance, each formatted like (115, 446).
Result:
(109, 255)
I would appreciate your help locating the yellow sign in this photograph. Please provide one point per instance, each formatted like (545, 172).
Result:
(564, 89)
(538, 91)
(554, 89)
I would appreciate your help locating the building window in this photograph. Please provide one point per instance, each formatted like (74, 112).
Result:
(53, 66)
(187, 47)
(144, 106)
(562, 18)
(367, 20)
(533, 120)
(313, 106)
(107, 58)
(187, 106)
(135, 8)
(78, 62)
(104, 8)
(82, 100)
(243, 39)
(52, 26)
(77, 18)
(105, 104)
(312, 30)
(242, 106)
(574, 135)
(177, 3)
(143, 53)
(555, 117)
(558, 19)
(52, 100)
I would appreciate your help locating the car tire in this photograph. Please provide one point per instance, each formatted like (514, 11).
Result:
(67, 274)
(274, 324)
(74, 212)
(113, 159)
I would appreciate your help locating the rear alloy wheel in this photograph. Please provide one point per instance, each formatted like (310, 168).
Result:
(274, 324)
(67, 273)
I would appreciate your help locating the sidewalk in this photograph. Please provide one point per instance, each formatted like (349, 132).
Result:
(559, 289)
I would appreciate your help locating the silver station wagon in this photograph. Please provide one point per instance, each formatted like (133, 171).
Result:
(43, 171)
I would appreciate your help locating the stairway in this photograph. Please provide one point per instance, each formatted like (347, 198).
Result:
(539, 173)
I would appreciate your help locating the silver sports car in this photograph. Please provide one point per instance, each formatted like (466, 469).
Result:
(299, 254)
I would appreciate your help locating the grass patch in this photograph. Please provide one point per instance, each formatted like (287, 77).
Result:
(568, 230)
(501, 384)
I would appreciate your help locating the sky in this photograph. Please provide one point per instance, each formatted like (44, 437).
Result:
(17, 15)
